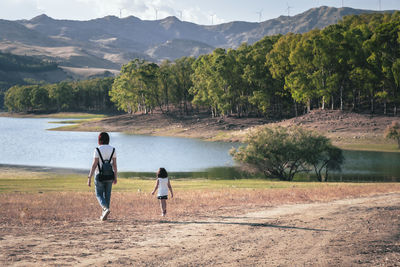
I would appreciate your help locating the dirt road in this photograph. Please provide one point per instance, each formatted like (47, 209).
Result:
(351, 232)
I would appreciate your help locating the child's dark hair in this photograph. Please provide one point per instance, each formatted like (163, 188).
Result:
(162, 173)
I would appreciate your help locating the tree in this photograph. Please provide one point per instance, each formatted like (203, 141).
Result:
(393, 132)
(262, 92)
(136, 88)
(40, 98)
(323, 156)
(283, 152)
(182, 71)
(300, 79)
(273, 151)
(279, 64)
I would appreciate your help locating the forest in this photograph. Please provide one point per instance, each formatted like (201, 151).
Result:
(352, 65)
(11, 64)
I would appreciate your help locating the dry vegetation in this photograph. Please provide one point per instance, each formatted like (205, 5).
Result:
(67, 207)
(54, 221)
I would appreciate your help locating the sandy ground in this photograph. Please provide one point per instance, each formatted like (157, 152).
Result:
(342, 128)
(350, 232)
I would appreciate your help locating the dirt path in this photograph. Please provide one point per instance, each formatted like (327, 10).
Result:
(361, 231)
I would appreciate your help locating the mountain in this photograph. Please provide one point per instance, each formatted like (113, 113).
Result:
(107, 43)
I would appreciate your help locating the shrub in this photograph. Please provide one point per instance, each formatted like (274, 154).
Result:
(283, 152)
(393, 132)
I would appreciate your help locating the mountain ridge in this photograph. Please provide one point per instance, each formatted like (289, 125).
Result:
(110, 42)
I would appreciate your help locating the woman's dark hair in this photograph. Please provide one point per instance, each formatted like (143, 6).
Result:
(162, 173)
(104, 138)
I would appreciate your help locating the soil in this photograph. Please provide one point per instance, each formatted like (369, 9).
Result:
(341, 127)
(197, 126)
(351, 232)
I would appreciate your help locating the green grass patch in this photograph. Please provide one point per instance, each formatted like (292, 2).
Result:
(72, 115)
(12, 181)
(71, 121)
(371, 147)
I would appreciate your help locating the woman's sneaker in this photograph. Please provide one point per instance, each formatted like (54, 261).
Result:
(104, 215)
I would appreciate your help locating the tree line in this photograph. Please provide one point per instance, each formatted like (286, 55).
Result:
(88, 95)
(11, 64)
(352, 65)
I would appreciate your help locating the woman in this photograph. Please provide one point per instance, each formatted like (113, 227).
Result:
(102, 154)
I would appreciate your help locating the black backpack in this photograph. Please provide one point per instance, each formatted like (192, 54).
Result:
(106, 172)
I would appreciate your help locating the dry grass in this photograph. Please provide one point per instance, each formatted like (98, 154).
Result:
(67, 207)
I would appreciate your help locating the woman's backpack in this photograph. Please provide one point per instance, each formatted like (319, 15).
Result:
(106, 172)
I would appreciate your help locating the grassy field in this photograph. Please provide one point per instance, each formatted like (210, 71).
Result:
(36, 197)
(13, 180)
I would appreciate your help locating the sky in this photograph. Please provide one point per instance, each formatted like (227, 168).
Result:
(205, 12)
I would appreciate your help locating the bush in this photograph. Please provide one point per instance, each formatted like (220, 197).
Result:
(283, 152)
(393, 132)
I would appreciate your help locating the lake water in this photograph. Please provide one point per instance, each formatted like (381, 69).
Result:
(26, 141)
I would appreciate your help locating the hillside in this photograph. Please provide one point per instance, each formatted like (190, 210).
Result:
(107, 43)
(16, 69)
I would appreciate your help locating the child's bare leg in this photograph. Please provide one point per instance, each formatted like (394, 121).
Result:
(164, 206)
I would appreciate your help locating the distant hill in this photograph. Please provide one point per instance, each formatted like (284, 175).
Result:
(26, 69)
(105, 44)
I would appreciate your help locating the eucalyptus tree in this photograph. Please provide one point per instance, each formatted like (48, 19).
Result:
(165, 82)
(61, 95)
(257, 75)
(212, 82)
(136, 88)
(300, 79)
(181, 82)
(279, 65)
(384, 47)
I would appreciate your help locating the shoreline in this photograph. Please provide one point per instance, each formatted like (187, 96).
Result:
(57, 170)
(347, 130)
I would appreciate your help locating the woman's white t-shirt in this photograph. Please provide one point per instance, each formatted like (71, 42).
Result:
(163, 186)
(105, 151)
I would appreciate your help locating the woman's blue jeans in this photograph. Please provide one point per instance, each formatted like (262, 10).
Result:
(103, 192)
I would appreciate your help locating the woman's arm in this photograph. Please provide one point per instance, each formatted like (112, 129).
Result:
(155, 188)
(115, 170)
(94, 166)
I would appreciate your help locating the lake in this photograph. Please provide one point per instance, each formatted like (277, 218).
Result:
(25, 141)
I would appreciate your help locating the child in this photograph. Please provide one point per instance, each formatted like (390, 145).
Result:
(163, 184)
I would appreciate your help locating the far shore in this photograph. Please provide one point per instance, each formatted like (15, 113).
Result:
(347, 130)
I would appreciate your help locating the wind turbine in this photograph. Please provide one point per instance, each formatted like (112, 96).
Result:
(212, 19)
(259, 15)
(180, 12)
(380, 5)
(156, 12)
(288, 9)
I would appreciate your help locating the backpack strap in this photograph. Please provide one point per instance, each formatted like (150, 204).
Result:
(101, 157)
(111, 155)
